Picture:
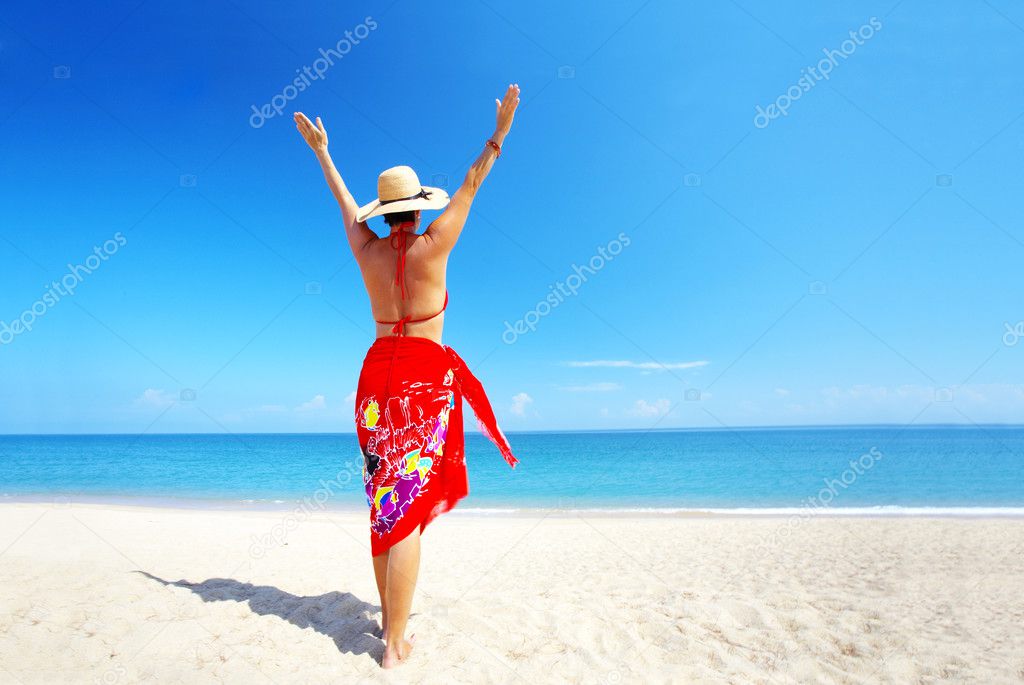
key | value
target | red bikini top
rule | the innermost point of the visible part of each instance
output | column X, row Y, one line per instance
column 399, row 242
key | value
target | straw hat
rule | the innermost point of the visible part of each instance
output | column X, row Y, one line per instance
column 399, row 190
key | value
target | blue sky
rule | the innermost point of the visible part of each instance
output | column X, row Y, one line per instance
column 856, row 260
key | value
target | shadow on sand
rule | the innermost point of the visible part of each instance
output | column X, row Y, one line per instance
column 341, row 616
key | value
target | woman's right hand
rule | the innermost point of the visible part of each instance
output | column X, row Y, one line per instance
column 507, row 110
column 315, row 136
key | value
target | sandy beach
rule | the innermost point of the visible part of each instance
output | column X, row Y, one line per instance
column 119, row 594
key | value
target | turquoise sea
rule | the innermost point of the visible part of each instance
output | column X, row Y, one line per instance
column 832, row 470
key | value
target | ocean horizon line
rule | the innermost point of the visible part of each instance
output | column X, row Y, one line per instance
column 567, row 431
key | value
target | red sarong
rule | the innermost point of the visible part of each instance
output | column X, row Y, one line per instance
column 409, row 424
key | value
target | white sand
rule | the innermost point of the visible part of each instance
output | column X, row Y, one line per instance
column 510, row 599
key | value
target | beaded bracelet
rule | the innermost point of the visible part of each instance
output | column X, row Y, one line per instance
column 497, row 148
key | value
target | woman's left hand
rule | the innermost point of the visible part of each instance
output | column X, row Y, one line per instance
column 506, row 110
column 315, row 136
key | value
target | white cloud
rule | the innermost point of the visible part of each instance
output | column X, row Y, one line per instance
column 877, row 394
column 651, row 409
column 782, row 392
column 592, row 387
column 869, row 403
column 317, row 403
column 155, row 398
column 645, row 366
column 316, row 408
column 520, row 402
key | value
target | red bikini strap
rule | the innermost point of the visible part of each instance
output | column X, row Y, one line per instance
column 399, row 326
column 399, row 242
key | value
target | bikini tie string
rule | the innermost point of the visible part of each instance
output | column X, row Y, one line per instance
column 399, row 327
column 400, row 243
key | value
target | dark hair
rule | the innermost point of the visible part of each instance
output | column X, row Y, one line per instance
column 399, row 217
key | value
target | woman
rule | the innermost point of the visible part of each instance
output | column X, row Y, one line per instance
column 408, row 403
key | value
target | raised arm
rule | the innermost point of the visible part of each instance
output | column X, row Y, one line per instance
column 359, row 235
column 444, row 230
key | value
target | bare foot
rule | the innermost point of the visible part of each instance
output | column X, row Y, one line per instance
column 395, row 656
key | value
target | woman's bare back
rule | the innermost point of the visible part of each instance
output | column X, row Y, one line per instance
column 425, row 266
